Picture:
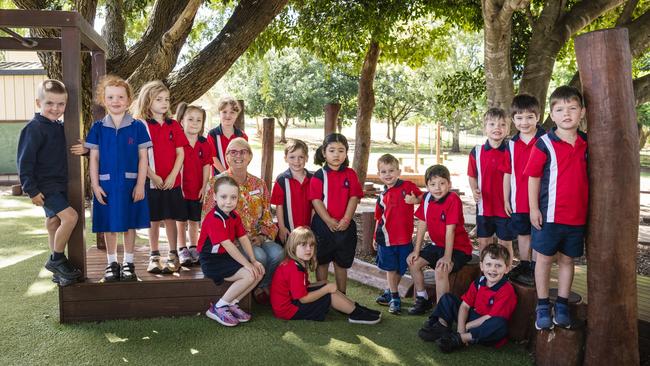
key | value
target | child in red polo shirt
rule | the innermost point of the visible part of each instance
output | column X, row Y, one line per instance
column 294, row 298
column 441, row 214
column 483, row 312
column 486, row 181
column 334, row 191
column 394, row 229
column 525, row 114
column 222, row 260
column 220, row 136
column 195, row 175
column 166, row 201
column 558, row 192
column 291, row 190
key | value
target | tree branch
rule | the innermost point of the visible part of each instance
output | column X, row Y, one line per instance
column 162, row 58
column 626, row 14
column 582, row 14
column 248, row 20
column 642, row 90
column 639, row 33
column 114, row 29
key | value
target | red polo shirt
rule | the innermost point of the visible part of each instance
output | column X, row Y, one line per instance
column 195, row 159
column 564, row 185
column 166, row 137
column 335, row 188
column 514, row 164
column 394, row 216
column 499, row 300
column 289, row 284
column 219, row 142
column 294, row 197
column 484, row 163
column 446, row 211
column 218, row 227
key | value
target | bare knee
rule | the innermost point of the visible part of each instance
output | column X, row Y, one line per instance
column 68, row 217
column 441, row 274
column 564, row 260
column 52, row 223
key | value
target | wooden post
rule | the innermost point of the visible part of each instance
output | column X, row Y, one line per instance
column 560, row 346
column 71, row 65
column 604, row 62
column 521, row 326
column 240, row 121
column 417, row 146
column 268, row 140
column 331, row 117
column 98, row 70
column 368, row 233
column 438, row 142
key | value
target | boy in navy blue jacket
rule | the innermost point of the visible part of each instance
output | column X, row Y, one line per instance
column 43, row 171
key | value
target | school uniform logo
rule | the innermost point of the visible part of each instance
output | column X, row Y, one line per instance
column 403, row 193
column 491, row 301
column 171, row 135
column 200, row 153
column 346, row 183
column 131, row 141
column 443, row 217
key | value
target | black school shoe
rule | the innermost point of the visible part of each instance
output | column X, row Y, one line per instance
column 432, row 332
column 371, row 311
column 112, row 272
column 63, row 268
column 450, row 342
column 421, row 306
column 362, row 316
column 127, row 272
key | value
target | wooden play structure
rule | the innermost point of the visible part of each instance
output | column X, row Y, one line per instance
column 188, row 292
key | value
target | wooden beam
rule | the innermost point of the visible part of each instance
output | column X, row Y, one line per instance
column 71, row 64
column 605, row 66
column 44, row 44
column 268, row 140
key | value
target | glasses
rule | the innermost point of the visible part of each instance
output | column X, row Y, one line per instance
column 237, row 152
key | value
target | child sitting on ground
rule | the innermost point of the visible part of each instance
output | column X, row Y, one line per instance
column 294, row 298
column 482, row 313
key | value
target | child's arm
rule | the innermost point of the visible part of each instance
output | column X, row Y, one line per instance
column 94, row 176
column 349, row 214
column 533, row 202
column 143, row 165
column 476, row 192
column 279, row 214
column 476, row 322
column 412, row 199
column 312, row 296
column 463, row 314
column 79, row 149
column 253, row 266
column 155, row 178
column 321, row 210
column 204, row 187
column 217, row 165
column 445, row 262
column 506, row 194
column 178, row 164
column 419, row 238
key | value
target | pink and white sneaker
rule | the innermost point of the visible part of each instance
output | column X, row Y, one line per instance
column 222, row 315
column 240, row 314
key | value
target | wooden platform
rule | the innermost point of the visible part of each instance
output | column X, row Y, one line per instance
column 183, row 293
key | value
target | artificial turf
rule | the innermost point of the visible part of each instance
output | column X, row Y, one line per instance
column 31, row 333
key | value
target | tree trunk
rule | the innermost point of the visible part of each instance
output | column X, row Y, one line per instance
column 644, row 133
column 455, row 141
column 366, row 102
column 393, row 139
column 388, row 129
column 283, row 130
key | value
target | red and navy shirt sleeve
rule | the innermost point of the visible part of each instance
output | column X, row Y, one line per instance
column 355, row 185
column 206, row 153
column 454, row 213
column 505, row 167
column 419, row 213
column 297, row 283
column 180, row 139
column 277, row 194
column 505, row 301
column 537, row 160
column 470, row 296
column 316, row 186
column 471, row 165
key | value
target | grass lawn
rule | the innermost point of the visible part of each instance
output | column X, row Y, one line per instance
column 31, row 333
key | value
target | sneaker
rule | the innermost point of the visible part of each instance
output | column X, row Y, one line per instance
column 112, row 272
column 450, row 342
column 63, row 268
column 56, row 279
column 421, row 306
column 395, row 306
column 371, row 311
column 238, row 313
column 184, row 257
column 433, row 332
column 543, row 320
column 172, row 264
column 194, row 254
column 561, row 316
column 154, row 264
column 222, row 315
column 128, row 272
column 364, row 317
column 384, row 299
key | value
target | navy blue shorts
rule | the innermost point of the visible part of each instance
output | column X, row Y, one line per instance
column 520, row 224
column 315, row 310
column 432, row 253
column 393, row 258
column 167, row 204
column 193, row 210
column 218, row 267
column 566, row 239
column 486, row 226
column 55, row 202
column 334, row 246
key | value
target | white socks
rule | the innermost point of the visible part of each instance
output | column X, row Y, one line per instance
column 128, row 257
column 111, row 258
column 423, row 294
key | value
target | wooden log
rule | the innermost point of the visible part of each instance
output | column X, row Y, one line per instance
column 268, row 139
column 605, row 66
column 560, row 346
column 522, row 322
column 458, row 281
column 16, row 190
column 240, row 121
column 368, row 231
column 331, row 117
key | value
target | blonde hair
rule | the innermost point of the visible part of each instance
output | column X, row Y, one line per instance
column 301, row 235
column 184, row 108
column 111, row 80
column 50, row 86
column 241, row 143
column 141, row 108
column 229, row 101
column 294, row 145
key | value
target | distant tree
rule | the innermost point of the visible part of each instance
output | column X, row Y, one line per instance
column 398, row 96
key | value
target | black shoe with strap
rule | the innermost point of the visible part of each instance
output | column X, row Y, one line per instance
column 63, row 268
column 450, row 342
column 112, row 272
column 421, row 306
column 433, row 332
column 127, row 272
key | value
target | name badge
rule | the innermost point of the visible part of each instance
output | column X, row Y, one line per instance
column 257, row 191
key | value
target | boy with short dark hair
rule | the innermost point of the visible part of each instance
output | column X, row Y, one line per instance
column 43, row 170
column 482, row 313
column 486, row 181
column 394, row 229
column 441, row 214
column 558, row 192
column 524, row 111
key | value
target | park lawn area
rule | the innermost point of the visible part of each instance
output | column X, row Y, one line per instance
column 31, row 333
